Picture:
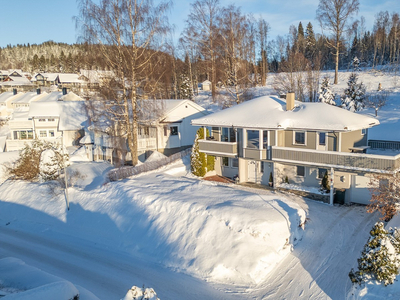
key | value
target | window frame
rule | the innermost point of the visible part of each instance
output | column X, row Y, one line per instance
column 294, row 137
column 225, row 161
column 298, row 174
column 319, row 138
column 172, row 130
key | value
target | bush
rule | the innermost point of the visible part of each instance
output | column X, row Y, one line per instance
column 380, row 258
column 200, row 163
column 325, row 185
column 40, row 161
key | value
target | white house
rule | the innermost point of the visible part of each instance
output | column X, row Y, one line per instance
column 206, row 85
column 295, row 142
column 6, row 99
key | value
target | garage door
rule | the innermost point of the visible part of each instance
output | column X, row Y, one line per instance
column 359, row 190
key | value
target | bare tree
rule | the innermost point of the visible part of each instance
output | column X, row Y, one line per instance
column 333, row 16
column 376, row 100
column 202, row 22
column 263, row 29
column 127, row 34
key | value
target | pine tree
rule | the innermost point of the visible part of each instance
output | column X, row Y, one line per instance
column 356, row 64
column 380, row 259
column 185, row 89
column 325, row 94
column 354, row 94
column 310, row 42
column 200, row 162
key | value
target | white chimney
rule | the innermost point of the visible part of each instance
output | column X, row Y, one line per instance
column 289, row 101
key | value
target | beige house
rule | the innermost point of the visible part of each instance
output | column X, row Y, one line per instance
column 295, row 143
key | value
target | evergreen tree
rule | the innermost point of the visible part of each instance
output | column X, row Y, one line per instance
column 300, row 38
column 325, row 185
column 35, row 62
column 356, row 64
column 310, row 42
column 380, row 259
column 185, row 89
column 354, row 94
column 42, row 64
column 325, row 94
column 200, row 162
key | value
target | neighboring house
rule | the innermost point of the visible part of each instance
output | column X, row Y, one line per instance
column 170, row 131
column 95, row 78
column 5, row 103
column 16, row 79
column 45, row 79
column 24, row 99
column 301, row 141
column 70, row 81
column 206, row 85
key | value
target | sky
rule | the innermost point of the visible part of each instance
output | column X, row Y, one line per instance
column 28, row 21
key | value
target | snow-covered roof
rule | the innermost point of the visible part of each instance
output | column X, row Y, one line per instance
column 95, row 76
column 269, row 112
column 73, row 115
column 27, row 98
column 17, row 81
column 53, row 96
column 70, row 96
column 69, row 78
column 44, row 109
column 5, row 96
column 47, row 76
column 2, row 143
column 206, row 82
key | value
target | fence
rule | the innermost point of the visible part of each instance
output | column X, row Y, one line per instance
column 125, row 172
column 376, row 144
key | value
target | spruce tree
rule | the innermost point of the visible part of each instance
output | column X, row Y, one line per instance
column 379, row 259
column 356, row 64
column 185, row 90
column 310, row 42
column 325, row 94
column 354, row 94
column 200, row 162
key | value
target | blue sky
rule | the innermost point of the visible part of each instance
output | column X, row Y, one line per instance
column 29, row 21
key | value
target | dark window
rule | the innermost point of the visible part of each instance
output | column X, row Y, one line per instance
column 235, row 163
column 15, row 135
column 321, row 173
column 265, row 139
column 322, row 138
column 300, row 171
column 225, row 161
column 300, row 138
column 262, row 167
column 228, row 135
column 253, row 137
column 174, row 130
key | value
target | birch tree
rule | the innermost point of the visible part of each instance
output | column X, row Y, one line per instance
column 333, row 16
column 127, row 33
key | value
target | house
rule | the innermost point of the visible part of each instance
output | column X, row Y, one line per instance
column 206, row 85
column 270, row 137
column 24, row 99
column 5, row 102
column 45, row 79
column 169, row 130
column 16, row 79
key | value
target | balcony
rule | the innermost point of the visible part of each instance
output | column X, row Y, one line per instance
column 218, row 148
column 147, row 144
column 14, row 145
column 255, row 154
column 342, row 160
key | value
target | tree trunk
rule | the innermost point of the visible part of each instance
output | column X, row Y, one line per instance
column 337, row 61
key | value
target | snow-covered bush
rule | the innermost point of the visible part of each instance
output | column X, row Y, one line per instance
column 354, row 94
column 39, row 161
column 185, row 89
column 325, row 185
column 356, row 64
column 380, row 259
column 137, row 293
column 325, row 94
column 200, row 163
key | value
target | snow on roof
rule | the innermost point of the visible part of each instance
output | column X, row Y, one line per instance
column 206, row 82
column 16, row 81
column 2, row 143
column 47, row 76
column 69, row 77
column 71, row 96
column 53, row 96
column 28, row 97
column 269, row 112
column 94, row 76
column 44, row 109
column 73, row 115
column 20, row 114
column 5, row 96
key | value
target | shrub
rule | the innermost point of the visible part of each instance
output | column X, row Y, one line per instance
column 39, row 161
column 200, row 163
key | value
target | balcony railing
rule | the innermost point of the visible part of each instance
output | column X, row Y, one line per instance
column 147, row 143
column 13, row 145
column 343, row 160
column 218, row 148
column 257, row 154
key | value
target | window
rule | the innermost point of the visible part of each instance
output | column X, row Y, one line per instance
column 322, row 138
column 262, row 167
column 300, row 171
column 174, row 130
column 225, row 161
column 265, row 139
column 30, row 134
column 43, row 133
column 235, row 162
column 23, row 135
column 300, row 137
column 253, row 137
column 321, row 173
column 51, row 133
column 50, row 120
column 363, row 131
column 42, row 120
column 228, row 135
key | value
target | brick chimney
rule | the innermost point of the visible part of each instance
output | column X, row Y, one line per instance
column 289, row 101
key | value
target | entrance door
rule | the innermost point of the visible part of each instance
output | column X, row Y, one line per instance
column 252, row 171
column 322, row 141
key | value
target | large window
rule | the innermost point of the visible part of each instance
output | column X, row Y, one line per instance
column 23, row 135
column 300, row 137
column 253, row 139
column 43, row 133
column 235, row 162
column 322, row 139
column 228, row 135
column 265, row 139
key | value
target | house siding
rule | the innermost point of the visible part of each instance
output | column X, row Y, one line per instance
column 353, row 139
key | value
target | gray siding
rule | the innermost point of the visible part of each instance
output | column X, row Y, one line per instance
column 353, row 139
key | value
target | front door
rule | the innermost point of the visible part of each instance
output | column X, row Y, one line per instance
column 252, row 171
